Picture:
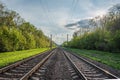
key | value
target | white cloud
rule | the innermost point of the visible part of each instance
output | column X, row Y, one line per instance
column 97, row 12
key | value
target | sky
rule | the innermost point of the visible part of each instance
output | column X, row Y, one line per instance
column 51, row 16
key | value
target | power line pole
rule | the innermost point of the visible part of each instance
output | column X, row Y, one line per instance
column 67, row 39
column 51, row 41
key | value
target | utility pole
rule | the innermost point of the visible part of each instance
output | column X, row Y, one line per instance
column 67, row 39
column 51, row 41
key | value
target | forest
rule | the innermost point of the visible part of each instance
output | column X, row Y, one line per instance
column 105, row 35
column 17, row 34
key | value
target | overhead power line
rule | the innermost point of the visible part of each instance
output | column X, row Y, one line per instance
column 51, row 16
column 46, row 12
column 74, row 4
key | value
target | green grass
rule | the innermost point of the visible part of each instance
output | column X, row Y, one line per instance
column 110, row 59
column 7, row 58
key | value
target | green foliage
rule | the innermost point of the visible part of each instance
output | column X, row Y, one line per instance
column 116, row 40
column 17, row 34
column 97, row 40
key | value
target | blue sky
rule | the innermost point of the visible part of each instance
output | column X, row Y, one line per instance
column 52, row 15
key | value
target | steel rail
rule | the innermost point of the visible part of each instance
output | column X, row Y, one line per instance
column 75, row 67
column 97, row 67
column 27, row 75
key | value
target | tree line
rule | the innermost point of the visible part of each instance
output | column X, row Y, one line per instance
column 105, row 36
column 17, row 34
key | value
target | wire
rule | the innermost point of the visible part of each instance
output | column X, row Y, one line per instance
column 74, row 4
column 48, row 11
column 45, row 11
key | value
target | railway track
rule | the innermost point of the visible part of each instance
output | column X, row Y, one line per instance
column 88, row 70
column 57, row 67
column 56, row 64
column 21, row 68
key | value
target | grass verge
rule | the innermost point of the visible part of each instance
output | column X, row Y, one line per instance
column 110, row 59
column 7, row 58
